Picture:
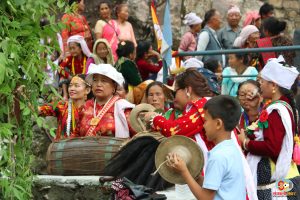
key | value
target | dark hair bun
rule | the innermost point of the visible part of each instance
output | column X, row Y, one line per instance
column 274, row 26
column 125, row 48
column 281, row 25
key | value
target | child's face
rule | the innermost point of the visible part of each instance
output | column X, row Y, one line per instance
column 102, row 50
column 75, row 49
column 210, row 126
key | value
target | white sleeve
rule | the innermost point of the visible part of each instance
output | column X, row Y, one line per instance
column 202, row 42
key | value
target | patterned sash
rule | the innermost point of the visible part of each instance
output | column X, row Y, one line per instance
column 101, row 114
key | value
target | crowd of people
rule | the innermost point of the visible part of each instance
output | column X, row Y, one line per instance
column 104, row 73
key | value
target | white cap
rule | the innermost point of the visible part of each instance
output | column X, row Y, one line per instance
column 274, row 71
column 233, row 9
column 106, row 70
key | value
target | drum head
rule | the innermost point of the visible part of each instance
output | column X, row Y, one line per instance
column 136, row 122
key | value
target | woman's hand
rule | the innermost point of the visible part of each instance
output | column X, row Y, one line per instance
column 252, row 94
column 175, row 162
column 148, row 116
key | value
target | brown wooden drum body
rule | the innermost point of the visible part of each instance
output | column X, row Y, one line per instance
column 81, row 156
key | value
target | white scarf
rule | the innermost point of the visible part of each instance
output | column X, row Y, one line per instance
column 285, row 156
column 249, row 182
column 121, row 124
column 80, row 40
column 248, row 71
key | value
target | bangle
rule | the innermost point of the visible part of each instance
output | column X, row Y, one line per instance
column 244, row 144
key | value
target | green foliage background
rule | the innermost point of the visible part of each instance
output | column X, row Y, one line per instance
column 21, row 64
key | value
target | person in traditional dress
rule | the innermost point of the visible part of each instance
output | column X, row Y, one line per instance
column 191, row 93
column 238, row 66
column 67, row 112
column 102, row 53
column 149, row 62
column 274, row 37
column 126, row 65
column 75, row 63
column 270, row 152
column 251, row 106
column 125, row 27
column 189, row 40
column 107, row 28
column 107, row 114
column 76, row 24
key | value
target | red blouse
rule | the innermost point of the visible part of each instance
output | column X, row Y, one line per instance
column 72, row 66
column 189, row 124
column 106, row 127
column 146, row 68
column 61, row 112
column 273, row 136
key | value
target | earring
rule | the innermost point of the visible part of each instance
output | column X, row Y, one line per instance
column 188, row 94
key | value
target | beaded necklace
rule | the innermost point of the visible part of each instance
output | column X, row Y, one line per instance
column 69, row 119
column 84, row 65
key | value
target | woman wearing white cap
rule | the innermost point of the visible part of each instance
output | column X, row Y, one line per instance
column 107, row 114
column 269, row 141
column 190, row 39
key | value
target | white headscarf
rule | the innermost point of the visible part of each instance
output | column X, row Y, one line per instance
column 192, row 19
column 80, row 40
column 244, row 35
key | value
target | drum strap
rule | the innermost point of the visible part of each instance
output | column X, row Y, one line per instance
column 101, row 114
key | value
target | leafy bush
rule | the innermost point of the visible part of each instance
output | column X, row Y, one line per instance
column 21, row 83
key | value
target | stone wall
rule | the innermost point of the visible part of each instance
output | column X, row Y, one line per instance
column 140, row 15
column 67, row 188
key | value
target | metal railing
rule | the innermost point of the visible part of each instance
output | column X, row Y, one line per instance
column 233, row 51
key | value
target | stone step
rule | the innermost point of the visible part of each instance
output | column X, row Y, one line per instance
column 87, row 188
column 67, row 188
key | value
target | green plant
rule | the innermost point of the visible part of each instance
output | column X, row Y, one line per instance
column 21, row 83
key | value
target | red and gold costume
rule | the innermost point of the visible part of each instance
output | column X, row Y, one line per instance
column 76, row 25
column 273, row 136
column 189, row 124
column 105, row 127
column 72, row 66
column 61, row 112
